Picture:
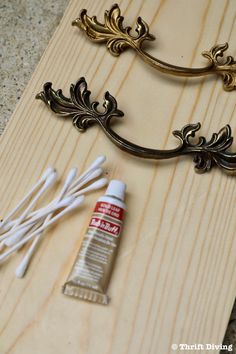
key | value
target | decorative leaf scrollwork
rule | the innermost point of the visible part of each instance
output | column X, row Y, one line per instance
column 208, row 153
column 112, row 32
column 118, row 38
column 225, row 66
column 84, row 113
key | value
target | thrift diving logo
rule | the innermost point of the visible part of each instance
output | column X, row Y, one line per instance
column 200, row 346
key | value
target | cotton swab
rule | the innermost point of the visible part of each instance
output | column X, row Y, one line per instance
column 12, row 236
column 96, row 164
column 92, row 175
column 69, row 179
column 15, row 235
column 47, row 184
column 68, row 185
column 43, row 212
column 45, row 175
column 18, row 245
column 17, row 225
column 50, row 180
column 102, row 182
column 59, row 202
column 2, row 245
column 50, row 209
column 30, row 225
column 21, row 269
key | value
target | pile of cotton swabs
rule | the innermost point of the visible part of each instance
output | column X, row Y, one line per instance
column 31, row 224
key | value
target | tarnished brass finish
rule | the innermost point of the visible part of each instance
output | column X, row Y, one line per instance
column 118, row 38
column 84, row 113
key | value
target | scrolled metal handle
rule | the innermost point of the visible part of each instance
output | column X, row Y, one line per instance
column 84, row 113
column 118, row 38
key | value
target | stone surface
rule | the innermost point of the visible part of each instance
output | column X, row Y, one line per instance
column 230, row 335
column 25, row 29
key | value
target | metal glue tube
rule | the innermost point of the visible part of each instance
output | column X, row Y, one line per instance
column 91, row 272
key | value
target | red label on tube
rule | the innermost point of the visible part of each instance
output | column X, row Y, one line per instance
column 109, row 209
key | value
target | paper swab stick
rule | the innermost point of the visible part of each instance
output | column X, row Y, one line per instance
column 94, row 186
column 21, row 269
column 94, row 174
column 69, row 179
column 47, row 184
column 45, row 175
column 43, row 213
column 15, row 235
column 96, row 164
column 18, row 245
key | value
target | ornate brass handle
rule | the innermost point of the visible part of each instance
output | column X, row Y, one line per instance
column 84, row 113
column 118, row 38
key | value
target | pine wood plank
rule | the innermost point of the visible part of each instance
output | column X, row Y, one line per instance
column 175, row 278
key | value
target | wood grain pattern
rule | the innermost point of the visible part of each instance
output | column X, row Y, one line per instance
column 175, row 277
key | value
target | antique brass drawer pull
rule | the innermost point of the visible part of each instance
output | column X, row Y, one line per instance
column 84, row 113
column 118, row 38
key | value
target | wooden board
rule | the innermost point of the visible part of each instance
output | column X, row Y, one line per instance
column 175, row 276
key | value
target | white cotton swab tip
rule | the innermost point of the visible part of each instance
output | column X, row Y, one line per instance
column 20, row 270
column 102, row 182
column 69, row 179
column 2, row 245
column 32, row 224
column 95, row 174
column 68, row 182
column 92, row 175
column 47, row 172
column 95, row 164
column 50, row 179
column 35, row 233
column 71, row 176
column 98, row 184
column 98, row 162
column 11, row 240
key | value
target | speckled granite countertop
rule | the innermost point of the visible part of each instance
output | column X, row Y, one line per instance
column 26, row 27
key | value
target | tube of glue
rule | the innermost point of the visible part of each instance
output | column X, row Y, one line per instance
column 91, row 272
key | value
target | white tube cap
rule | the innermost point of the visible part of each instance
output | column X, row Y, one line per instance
column 116, row 189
